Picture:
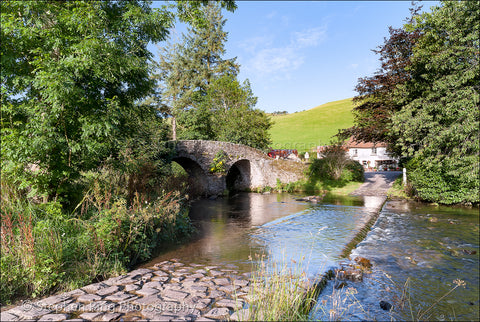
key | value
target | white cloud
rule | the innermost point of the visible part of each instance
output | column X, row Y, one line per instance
column 276, row 62
column 251, row 45
column 271, row 15
column 308, row 38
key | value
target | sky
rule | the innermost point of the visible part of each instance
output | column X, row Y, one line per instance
column 301, row 54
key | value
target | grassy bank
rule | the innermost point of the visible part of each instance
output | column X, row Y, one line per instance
column 316, row 126
column 398, row 191
column 46, row 249
column 337, row 187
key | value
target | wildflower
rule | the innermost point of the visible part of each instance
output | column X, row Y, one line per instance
column 352, row 291
column 459, row 282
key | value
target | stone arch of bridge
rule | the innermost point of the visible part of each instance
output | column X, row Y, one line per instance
column 197, row 179
column 239, row 175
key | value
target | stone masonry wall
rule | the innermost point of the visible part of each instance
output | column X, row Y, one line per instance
column 264, row 171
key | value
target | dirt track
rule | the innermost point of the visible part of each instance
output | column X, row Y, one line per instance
column 377, row 183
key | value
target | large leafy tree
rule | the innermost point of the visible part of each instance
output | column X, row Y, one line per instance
column 424, row 101
column 376, row 101
column 233, row 116
column 202, row 92
column 72, row 73
column 438, row 124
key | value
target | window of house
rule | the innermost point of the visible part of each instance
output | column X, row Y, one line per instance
column 355, row 152
column 374, row 151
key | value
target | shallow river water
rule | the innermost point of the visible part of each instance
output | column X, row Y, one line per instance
column 430, row 245
column 277, row 226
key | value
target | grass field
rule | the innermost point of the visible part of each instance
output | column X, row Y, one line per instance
column 307, row 129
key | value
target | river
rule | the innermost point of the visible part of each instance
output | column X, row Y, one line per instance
column 432, row 246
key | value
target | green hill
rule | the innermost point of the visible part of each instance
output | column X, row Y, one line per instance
column 307, row 129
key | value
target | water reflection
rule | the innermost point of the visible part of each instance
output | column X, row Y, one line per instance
column 373, row 203
column 225, row 225
column 231, row 230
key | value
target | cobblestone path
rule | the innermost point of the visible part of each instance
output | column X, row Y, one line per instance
column 167, row 291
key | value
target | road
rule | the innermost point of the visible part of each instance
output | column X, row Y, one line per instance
column 377, row 183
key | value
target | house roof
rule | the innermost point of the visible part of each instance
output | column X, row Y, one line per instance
column 351, row 143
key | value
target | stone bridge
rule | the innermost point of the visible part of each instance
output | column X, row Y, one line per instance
column 246, row 168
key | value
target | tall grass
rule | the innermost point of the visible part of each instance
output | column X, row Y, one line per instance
column 47, row 249
column 31, row 251
column 280, row 293
column 342, row 304
column 405, row 307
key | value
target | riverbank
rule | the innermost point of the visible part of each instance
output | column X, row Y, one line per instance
column 272, row 217
column 47, row 249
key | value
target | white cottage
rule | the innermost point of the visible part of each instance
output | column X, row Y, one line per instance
column 373, row 156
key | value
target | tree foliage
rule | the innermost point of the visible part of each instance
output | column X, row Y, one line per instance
column 333, row 162
column 201, row 90
column 187, row 69
column 233, row 115
column 438, row 124
column 72, row 73
column 376, row 101
column 424, row 101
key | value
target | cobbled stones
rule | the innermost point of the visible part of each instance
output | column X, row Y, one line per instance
column 167, row 291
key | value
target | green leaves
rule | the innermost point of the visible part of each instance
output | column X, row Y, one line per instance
column 432, row 112
column 72, row 73
column 200, row 87
column 446, row 118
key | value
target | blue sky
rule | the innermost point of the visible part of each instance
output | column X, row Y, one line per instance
column 301, row 54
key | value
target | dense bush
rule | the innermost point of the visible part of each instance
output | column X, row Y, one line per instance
column 353, row 171
column 320, row 169
column 45, row 249
column 444, row 182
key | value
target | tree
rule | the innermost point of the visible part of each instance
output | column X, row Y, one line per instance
column 72, row 74
column 376, row 101
column 424, row 101
column 187, row 69
column 205, row 99
column 233, row 114
column 438, row 124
